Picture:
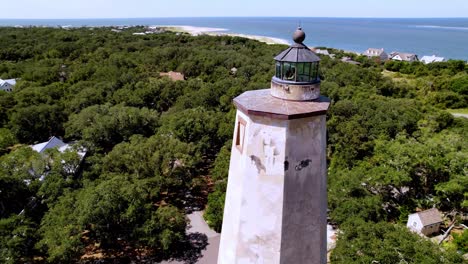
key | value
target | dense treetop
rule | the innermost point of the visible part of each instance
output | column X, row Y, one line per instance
column 154, row 144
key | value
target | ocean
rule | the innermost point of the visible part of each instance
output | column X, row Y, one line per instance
column 446, row 37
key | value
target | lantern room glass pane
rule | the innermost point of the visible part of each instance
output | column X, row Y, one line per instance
column 278, row 70
column 307, row 69
column 314, row 71
column 289, row 71
column 300, row 68
column 303, row 73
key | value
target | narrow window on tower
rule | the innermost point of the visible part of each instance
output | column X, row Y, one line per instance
column 240, row 133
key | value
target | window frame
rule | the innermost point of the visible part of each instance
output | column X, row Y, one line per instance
column 240, row 129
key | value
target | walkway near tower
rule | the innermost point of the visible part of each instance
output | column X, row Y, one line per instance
column 200, row 230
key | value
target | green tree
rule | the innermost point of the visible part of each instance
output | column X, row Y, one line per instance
column 367, row 242
column 37, row 123
column 215, row 206
column 104, row 126
column 461, row 241
column 7, row 139
column 17, row 237
column 164, row 229
column 61, row 231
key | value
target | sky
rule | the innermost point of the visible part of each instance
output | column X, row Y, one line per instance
column 50, row 9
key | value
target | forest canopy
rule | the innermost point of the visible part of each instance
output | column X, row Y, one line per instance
column 156, row 146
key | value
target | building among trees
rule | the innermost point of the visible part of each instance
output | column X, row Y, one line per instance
column 401, row 56
column 175, row 76
column 425, row 222
column 62, row 147
column 371, row 52
column 431, row 59
column 7, row 85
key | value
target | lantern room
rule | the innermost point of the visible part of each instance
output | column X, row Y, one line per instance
column 296, row 66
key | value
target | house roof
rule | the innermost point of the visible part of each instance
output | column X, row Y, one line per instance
column 433, row 58
column 175, row 76
column 404, row 56
column 373, row 52
column 59, row 144
column 429, row 217
column 10, row 81
column 52, row 143
column 322, row 51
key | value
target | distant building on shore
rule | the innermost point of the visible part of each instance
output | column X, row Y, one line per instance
column 323, row 52
column 371, row 52
column 350, row 61
column 7, row 85
column 401, row 56
column 425, row 222
column 431, row 59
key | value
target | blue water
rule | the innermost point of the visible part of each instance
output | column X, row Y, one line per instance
column 447, row 37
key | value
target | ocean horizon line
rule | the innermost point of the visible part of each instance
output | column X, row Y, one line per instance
column 443, row 37
column 169, row 17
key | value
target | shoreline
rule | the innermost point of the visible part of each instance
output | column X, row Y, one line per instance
column 196, row 31
column 214, row 31
column 421, row 36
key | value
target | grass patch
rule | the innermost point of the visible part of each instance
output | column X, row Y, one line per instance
column 458, row 111
column 398, row 77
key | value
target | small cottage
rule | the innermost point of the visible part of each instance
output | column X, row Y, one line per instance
column 425, row 222
column 401, row 56
column 7, row 85
column 371, row 52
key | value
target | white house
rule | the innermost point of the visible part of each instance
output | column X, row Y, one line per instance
column 425, row 222
column 322, row 51
column 62, row 147
column 7, row 85
column 371, row 52
column 401, row 56
column 431, row 59
column 56, row 143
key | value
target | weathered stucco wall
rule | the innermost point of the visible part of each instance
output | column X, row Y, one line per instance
column 252, row 214
column 275, row 209
column 305, row 194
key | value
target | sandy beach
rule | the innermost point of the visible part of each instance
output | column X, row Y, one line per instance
column 196, row 31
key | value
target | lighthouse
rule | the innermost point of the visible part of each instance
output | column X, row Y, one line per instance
column 276, row 199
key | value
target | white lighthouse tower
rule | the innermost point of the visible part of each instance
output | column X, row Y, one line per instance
column 276, row 198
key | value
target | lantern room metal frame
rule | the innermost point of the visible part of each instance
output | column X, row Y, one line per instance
column 297, row 64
